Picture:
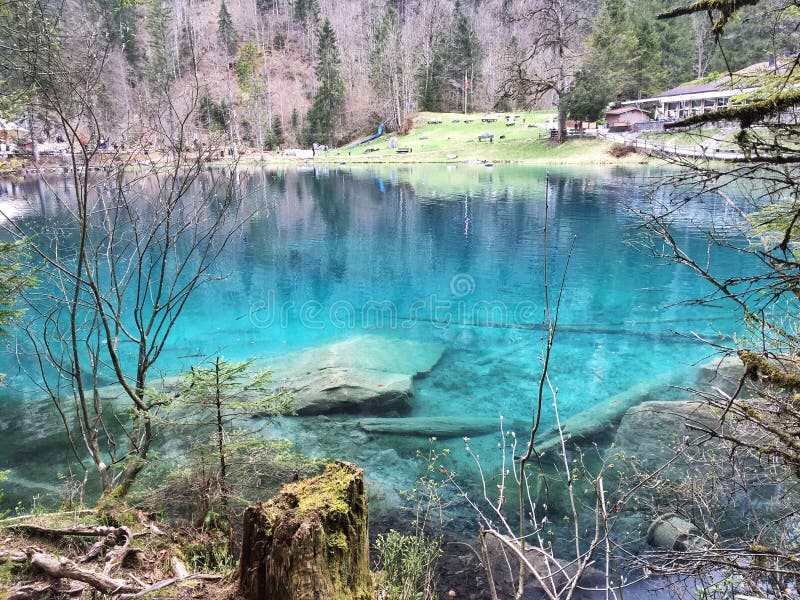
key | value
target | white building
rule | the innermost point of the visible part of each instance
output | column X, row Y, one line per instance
column 697, row 98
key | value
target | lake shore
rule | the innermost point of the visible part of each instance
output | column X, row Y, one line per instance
column 434, row 138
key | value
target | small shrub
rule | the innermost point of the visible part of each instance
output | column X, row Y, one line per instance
column 620, row 150
column 408, row 563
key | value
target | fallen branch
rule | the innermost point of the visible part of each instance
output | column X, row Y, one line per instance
column 166, row 583
column 65, row 568
column 36, row 590
column 82, row 530
column 68, row 513
column 17, row 557
column 117, row 555
column 29, row 591
column 178, row 568
column 112, row 538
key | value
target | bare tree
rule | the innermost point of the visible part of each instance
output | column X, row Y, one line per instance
column 758, row 421
column 515, row 523
column 553, row 31
column 122, row 257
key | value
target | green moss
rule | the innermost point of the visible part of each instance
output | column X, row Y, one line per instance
column 758, row 367
column 337, row 540
column 7, row 572
column 324, row 493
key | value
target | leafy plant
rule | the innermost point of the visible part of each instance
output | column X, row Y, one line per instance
column 408, row 563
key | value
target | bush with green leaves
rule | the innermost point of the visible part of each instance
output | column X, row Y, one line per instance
column 408, row 563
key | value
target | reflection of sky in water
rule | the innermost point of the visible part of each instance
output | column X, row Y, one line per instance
column 452, row 255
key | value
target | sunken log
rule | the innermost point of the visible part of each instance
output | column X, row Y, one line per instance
column 310, row 541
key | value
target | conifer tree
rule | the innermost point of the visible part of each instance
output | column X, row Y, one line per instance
column 326, row 109
column 225, row 30
column 456, row 56
column 462, row 57
column 162, row 54
column 277, row 131
column 388, row 72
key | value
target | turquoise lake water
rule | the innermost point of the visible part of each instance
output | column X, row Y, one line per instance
column 450, row 254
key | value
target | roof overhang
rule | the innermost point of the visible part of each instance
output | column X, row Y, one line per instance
column 695, row 96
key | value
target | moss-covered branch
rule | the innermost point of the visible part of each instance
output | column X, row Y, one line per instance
column 747, row 115
column 726, row 8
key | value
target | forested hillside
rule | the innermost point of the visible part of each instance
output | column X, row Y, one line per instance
column 267, row 73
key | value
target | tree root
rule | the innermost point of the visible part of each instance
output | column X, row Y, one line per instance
column 63, row 568
column 166, row 583
column 116, row 542
column 38, row 590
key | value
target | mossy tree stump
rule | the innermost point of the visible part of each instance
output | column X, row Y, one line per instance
column 310, row 541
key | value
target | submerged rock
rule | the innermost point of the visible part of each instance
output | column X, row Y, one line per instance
column 599, row 422
column 367, row 374
column 551, row 571
column 440, row 427
column 652, row 431
column 721, row 373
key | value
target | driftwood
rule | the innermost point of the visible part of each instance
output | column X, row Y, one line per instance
column 17, row 557
column 166, row 583
column 64, row 568
column 116, row 542
column 81, row 530
column 37, row 590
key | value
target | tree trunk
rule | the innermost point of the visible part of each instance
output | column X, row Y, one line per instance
column 310, row 541
column 562, row 123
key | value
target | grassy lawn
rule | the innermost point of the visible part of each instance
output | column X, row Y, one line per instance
column 453, row 140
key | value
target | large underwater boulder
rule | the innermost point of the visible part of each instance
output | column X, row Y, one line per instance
column 653, row 431
column 720, row 374
column 367, row 374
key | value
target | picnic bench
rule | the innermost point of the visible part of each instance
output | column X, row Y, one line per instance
column 486, row 136
column 404, row 150
column 368, row 150
column 435, row 121
column 488, row 119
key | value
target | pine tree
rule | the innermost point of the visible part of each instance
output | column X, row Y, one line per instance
column 295, row 119
column 326, row 109
column 462, row 58
column 432, row 80
column 587, row 99
column 387, row 75
column 225, row 30
column 120, row 24
column 615, row 50
column 162, row 53
column 218, row 395
column 277, row 131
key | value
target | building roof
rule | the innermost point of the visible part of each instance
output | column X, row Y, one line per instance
column 744, row 80
column 624, row 109
column 697, row 88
